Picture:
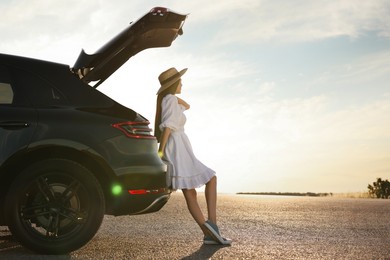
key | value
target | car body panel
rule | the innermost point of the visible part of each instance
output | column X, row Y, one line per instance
column 17, row 126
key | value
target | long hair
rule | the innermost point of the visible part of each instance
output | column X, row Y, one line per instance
column 170, row 90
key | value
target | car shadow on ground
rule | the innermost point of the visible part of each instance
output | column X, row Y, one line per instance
column 205, row 252
column 12, row 249
column 7, row 242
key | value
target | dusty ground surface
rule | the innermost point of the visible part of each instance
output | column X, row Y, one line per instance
column 262, row 227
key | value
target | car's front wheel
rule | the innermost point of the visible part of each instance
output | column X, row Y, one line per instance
column 54, row 206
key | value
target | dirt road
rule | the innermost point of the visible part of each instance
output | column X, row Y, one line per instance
column 262, row 227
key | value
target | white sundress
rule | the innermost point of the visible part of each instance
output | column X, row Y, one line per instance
column 184, row 169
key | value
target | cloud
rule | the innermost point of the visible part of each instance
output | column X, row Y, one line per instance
column 58, row 30
column 301, row 21
column 364, row 69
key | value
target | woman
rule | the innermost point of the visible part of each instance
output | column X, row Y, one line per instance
column 186, row 172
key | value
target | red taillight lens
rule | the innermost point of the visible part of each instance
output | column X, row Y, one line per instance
column 144, row 192
column 139, row 130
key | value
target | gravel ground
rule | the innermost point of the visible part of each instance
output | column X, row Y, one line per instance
column 262, row 227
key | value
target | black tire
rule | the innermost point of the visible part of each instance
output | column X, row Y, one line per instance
column 54, row 206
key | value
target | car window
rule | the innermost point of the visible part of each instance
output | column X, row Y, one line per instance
column 39, row 91
column 6, row 93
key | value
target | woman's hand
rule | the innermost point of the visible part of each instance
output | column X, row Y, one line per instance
column 183, row 103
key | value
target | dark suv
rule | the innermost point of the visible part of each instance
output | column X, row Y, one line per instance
column 68, row 153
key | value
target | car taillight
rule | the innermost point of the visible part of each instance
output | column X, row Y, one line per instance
column 139, row 130
column 161, row 11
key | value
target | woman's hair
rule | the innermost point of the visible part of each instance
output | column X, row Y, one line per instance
column 170, row 90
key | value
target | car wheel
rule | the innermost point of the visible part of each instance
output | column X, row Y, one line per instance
column 54, row 206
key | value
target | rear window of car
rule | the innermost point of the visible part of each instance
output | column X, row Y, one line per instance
column 48, row 85
column 39, row 91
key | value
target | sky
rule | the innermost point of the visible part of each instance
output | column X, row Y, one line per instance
column 286, row 96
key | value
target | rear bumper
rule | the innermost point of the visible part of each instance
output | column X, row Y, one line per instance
column 140, row 193
column 135, row 204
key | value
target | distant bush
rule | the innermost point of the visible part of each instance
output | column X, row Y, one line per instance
column 380, row 189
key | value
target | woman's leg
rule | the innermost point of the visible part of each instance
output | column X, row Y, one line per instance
column 211, row 199
column 192, row 203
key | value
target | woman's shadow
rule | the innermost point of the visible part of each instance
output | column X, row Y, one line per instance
column 205, row 252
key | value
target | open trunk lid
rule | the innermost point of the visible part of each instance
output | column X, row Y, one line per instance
column 157, row 28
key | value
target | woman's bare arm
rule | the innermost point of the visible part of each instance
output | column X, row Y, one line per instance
column 163, row 141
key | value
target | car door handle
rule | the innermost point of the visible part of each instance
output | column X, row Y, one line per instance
column 14, row 124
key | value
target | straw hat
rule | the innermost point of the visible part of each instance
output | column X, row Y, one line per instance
column 169, row 77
